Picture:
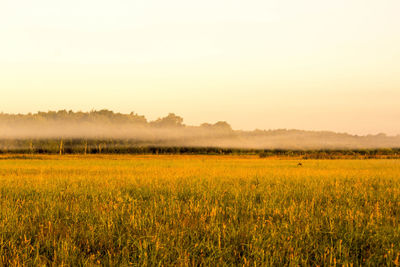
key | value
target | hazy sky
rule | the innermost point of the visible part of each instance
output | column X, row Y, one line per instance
column 311, row 64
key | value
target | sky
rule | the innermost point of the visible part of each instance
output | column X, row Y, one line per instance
column 257, row 64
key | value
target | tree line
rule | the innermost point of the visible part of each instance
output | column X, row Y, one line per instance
column 101, row 117
column 86, row 131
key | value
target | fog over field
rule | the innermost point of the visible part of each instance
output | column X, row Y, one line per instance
column 171, row 131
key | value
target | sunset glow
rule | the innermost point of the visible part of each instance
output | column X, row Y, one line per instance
column 312, row 65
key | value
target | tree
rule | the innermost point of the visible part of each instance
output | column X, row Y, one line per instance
column 219, row 126
column 171, row 120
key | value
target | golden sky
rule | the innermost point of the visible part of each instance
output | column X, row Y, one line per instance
column 311, row 64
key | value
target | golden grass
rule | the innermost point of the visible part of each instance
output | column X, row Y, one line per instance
column 190, row 210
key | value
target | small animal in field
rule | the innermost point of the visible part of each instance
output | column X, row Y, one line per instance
column 300, row 164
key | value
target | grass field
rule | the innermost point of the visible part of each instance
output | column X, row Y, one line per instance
column 191, row 210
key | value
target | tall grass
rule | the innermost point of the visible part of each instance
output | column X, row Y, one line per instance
column 190, row 210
